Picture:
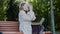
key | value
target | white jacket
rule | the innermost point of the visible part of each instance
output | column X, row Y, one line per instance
column 25, row 21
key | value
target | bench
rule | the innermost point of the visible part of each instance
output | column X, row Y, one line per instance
column 12, row 27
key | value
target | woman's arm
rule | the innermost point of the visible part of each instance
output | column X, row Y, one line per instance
column 24, row 16
column 32, row 15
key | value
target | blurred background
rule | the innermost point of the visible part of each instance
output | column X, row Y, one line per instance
column 9, row 10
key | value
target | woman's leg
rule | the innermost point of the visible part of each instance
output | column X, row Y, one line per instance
column 27, row 29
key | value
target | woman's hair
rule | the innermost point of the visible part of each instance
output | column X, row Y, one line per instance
column 30, row 8
column 21, row 6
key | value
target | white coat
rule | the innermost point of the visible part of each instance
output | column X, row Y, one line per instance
column 25, row 21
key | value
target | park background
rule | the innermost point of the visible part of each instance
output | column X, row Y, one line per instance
column 9, row 10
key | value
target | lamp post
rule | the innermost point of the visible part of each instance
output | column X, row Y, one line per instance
column 52, row 17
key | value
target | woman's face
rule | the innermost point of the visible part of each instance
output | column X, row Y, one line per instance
column 25, row 8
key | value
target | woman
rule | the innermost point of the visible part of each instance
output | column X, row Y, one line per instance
column 26, row 16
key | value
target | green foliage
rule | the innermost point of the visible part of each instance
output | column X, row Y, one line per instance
column 42, row 9
column 12, row 12
column 39, row 8
column 57, row 13
column 9, row 10
column 3, row 8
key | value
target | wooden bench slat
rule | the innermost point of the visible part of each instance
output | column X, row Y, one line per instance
column 9, row 31
column 12, row 32
column 8, row 27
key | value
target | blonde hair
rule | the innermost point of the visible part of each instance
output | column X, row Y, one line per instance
column 30, row 8
column 21, row 6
